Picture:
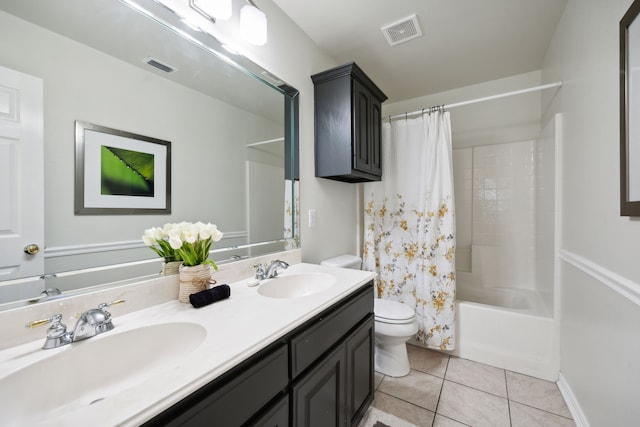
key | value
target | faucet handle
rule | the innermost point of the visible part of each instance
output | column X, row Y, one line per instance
column 57, row 334
column 109, row 304
column 99, row 315
column 56, row 318
column 260, row 273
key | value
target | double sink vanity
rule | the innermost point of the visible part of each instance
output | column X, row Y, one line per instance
column 296, row 350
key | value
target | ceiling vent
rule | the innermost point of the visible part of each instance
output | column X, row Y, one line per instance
column 159, row 65
column 403, row 30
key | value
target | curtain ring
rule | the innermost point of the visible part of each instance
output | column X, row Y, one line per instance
column 406, row 116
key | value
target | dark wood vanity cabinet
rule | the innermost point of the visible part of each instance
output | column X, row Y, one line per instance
column 347, row 125
column 321, row 374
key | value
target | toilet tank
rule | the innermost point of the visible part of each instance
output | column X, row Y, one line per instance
column 344, row 261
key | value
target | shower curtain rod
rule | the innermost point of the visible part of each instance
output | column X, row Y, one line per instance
column 473, row 101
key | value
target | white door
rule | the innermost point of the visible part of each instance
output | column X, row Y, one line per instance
column 21, row 176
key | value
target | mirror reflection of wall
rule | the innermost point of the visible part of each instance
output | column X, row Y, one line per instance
column 221, row 171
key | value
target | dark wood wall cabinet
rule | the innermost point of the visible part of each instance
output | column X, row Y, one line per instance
column 319, row 375
column 347, row 125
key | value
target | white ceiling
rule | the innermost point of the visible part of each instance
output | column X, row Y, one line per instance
column 464, row 42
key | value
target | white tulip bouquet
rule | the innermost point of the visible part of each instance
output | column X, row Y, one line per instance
column 185, row 241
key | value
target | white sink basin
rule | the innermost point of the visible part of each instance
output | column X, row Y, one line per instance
column 296, row 285
column 86, row 372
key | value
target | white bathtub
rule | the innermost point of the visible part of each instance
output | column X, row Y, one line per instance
column 520, row 300
column 507, row 328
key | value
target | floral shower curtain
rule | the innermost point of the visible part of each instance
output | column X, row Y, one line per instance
column 410, row 226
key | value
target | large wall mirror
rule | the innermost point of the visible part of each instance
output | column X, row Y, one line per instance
column 232, row 128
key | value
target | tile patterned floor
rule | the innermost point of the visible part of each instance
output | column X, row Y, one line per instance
column 446, row 391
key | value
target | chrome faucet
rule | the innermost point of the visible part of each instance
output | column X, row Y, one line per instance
column 90, row 323
column 48, row 293
column 272, row 270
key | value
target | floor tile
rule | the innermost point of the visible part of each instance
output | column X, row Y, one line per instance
column 477, row 375
column 440, row 421
column 526, row 416
column 418, row 388
column 375, row 417
column 473, row 407
column 402, row 409
column 535, row 392
column 427, row 361
column 377, row 379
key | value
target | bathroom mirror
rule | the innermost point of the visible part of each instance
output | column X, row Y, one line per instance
column 232, row 128
column 630, row 112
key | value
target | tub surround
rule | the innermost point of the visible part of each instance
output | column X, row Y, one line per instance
column 237, row 328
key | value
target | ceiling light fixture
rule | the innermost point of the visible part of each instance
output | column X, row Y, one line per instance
column 213, row 9
column 253, row 24
column 253, row 21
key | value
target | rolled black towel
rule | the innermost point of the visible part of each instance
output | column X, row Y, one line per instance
column 209, row 296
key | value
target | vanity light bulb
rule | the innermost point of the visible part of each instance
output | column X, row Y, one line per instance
column 218, row 9
column 253, row 25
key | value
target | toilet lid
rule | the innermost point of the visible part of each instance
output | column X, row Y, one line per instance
column 392, row 311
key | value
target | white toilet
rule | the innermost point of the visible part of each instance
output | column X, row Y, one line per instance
column 395, row 324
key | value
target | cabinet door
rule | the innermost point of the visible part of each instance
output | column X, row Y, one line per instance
column 276, row 416
column 319, row 398
column 360, row 370
column 361, row 127
column 375, row 145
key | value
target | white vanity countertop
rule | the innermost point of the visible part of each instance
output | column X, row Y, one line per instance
column 236, row 328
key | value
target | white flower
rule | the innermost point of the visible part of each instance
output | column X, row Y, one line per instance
column 159, row 233
column 216, row 234
column 190, row 234
column 175, row 241
column 204, row 230
column 148, row 237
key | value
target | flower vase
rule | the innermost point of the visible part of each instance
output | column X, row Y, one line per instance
column 170, row 268
column 193, row 279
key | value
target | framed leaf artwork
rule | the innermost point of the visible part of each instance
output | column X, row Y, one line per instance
column 119, row 173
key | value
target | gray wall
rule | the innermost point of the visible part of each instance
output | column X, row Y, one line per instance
column 600, row 272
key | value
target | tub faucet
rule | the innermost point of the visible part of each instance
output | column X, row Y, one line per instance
column 272, row 270
column 90, row 323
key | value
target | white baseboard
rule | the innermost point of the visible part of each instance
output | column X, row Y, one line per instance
column 572, row 402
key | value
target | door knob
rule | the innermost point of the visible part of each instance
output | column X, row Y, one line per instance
column 32, row 249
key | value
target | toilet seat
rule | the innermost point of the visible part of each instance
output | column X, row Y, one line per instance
column 392, row 312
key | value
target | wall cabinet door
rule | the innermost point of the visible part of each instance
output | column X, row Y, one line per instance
column 319, row 397
column 362, row 128
column 375, row 140
column 367, row 118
